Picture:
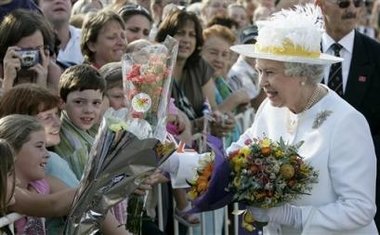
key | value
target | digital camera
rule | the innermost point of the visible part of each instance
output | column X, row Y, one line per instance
column 29, row 58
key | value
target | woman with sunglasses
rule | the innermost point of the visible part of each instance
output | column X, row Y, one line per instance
column 358, row 81
column 137, row 20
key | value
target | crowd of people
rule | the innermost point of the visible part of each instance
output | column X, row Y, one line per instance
column 51, row 104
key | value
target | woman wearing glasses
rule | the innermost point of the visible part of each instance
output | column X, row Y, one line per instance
column 137, row 20
column 26, row 49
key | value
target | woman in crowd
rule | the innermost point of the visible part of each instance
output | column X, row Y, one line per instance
column 212, row 8
column 216, row 51
column 26, row 44
column 336, row 138
column 85, row 6
column 192, row 83
column 239, row 14
column 138, row 22
column 103, row 38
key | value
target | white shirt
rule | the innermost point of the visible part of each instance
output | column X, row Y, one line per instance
column 341, row 149
column 72, row 52
column 247, row 76
column 346, row 53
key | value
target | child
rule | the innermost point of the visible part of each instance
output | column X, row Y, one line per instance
column 81, row 89
column 7, row 180
column 37, row 101
column 112, row 73
column 27, row 138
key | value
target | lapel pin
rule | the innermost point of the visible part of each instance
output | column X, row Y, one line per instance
column 362, row 79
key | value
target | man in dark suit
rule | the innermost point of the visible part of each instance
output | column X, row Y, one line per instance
column 360, row 71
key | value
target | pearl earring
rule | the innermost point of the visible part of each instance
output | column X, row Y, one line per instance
column 303, row 83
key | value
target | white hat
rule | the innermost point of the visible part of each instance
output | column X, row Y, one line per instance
column 290, row 36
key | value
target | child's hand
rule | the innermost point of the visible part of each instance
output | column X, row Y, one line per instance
column 175, row 124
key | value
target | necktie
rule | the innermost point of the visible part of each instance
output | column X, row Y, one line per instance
column 335, row 81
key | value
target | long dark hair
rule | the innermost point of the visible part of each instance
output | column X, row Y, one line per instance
column 174, row 22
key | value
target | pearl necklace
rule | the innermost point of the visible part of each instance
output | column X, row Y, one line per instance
column 292, row 123
column 313, row 98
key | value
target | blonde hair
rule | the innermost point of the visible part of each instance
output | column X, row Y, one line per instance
column 17, row 128
column 219, row 31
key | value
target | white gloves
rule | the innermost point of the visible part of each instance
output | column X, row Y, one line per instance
column 285, row 215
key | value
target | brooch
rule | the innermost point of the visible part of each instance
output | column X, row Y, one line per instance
column 320, row 118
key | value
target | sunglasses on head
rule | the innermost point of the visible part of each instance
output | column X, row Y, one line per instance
column 129, row 8
column 346, row 3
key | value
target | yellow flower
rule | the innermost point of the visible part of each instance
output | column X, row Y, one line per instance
column 304, row 169
column 287, row 171
column 245, row 151
column 115, row 127
column 248, row 217
column 237, row 181
column 265, row 143
column 279, row 153
column 238, row 163
column 247, row 226
column 192, row 194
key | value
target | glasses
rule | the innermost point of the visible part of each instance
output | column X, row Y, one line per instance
column 346, row 3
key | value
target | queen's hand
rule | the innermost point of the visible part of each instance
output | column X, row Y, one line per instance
column 287, row 214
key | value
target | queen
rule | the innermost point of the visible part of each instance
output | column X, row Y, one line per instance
column 337, row 139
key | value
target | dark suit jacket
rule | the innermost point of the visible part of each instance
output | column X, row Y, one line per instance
column 363, row 92
column 363, row 84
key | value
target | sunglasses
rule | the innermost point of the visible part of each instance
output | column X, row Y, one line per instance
column 346, row 3
column 132, row 8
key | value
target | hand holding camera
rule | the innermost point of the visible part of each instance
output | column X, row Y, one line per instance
column 35, row 61
column 11, row 66
column 23, row 65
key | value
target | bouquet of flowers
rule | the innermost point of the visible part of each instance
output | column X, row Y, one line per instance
column 208, row 186
column 147, row 75
column 119, row 162
column 262, row 173
column 267, row 174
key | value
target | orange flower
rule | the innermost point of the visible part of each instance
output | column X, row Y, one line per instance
column 208, row 170
column 202, row 185
column 266, row 151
